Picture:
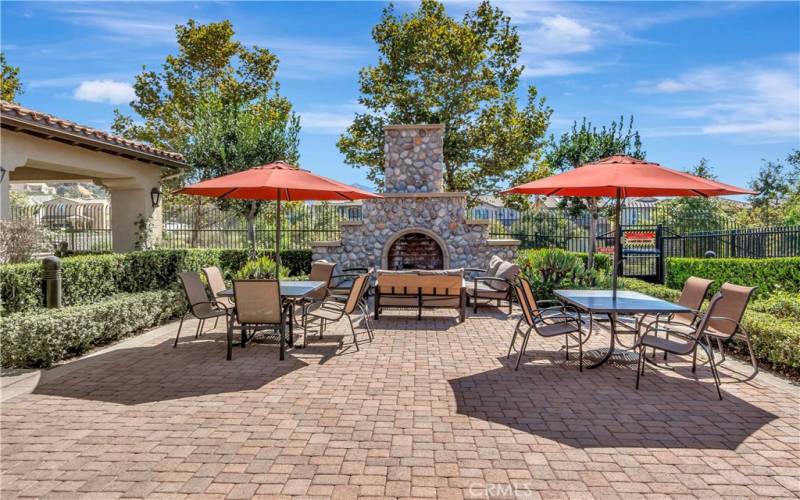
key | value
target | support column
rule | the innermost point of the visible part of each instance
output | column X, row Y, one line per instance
column 129, row 205
column 5, row 196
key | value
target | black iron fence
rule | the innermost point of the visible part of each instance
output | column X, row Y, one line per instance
column 650, row 235
column 84, row 226
column 206, row 226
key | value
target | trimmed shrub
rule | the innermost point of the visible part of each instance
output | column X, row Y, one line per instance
column 767, row 275
column 89, row 278
column 602, row 261
column 781, row 305
column 658, row 291
column 20, row 287
column 35, row 340
column 776, row 341
column 551, row 268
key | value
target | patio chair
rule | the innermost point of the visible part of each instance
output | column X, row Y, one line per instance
column 341, row 283
column 321, row 270
column 547, row 322
column 334, row 310
column 198, row 303
column 258, row 307
column 692, row 297
column 726, row 321
column 497, row 283
column 217, row 284
column 686, row 344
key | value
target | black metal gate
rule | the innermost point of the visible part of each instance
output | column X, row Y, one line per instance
column 642, row 250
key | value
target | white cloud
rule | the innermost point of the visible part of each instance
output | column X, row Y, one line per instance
column 308, row 59
column 752, row 98
column 552, row 33
column 557, row 67
column 559, row 35
column 142, row 26
column 329, row 119
column 106, row 91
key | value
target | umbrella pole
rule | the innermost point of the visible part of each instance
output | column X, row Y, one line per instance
column 617, row 244
column 278, row 236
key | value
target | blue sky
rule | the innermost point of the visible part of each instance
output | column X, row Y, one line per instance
column 714, row 80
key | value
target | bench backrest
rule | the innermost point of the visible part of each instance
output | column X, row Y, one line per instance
column 425, row 282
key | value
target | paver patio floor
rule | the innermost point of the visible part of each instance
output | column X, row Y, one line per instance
column 430, row 408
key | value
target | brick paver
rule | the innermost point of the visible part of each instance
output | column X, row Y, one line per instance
column 429, row 409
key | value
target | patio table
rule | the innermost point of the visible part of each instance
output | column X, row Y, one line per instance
column 627, row 302
column 290, row 292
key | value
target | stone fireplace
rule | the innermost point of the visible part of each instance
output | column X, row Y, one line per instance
column 417, row 224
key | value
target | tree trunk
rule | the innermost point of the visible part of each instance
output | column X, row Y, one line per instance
column 592, row 233
column 197, row 220
column 251, row 228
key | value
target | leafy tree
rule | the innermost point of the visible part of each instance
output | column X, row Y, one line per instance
column 696, row 213
column 233, row 136
column 10, row 85
column 209, row 60
column 772, row 190
column 432, row 68
column 791, row 212
column 584, row 144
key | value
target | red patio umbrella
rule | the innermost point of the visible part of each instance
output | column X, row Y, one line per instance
column 277, row 181
column 623, row 177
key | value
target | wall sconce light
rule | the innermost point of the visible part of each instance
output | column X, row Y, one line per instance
column 2, row 174
column 155, row 196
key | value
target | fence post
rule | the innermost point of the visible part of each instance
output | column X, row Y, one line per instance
column 733, row 243
column 660, row 257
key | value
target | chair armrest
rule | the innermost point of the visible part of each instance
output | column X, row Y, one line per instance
column 729, row 320
column 342, row 277
column 334, row 305
column 550, row 301
column 356, row 270
column 474, row 270
column 217, row 304
column 492, row 278
column 564, row 317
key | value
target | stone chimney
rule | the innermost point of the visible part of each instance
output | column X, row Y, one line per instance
column 414, row 158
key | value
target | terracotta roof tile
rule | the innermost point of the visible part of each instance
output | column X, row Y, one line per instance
column 55, row 123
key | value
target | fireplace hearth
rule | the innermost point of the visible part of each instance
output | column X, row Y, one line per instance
column 417, row 224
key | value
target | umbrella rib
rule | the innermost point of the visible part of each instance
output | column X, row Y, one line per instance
column 226, row 194
column 699, row 193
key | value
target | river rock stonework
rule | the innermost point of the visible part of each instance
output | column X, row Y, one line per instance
column 414, row 202
column 414, row 159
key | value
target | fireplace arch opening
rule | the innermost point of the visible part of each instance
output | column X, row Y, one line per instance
column 415, row 249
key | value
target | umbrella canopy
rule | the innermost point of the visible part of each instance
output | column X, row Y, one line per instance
column 276, row 181
column 624, row 177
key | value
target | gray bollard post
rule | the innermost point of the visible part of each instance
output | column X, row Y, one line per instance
column 51, row 275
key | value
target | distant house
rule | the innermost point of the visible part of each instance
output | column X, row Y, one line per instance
column 71, row 213
column 492, row 208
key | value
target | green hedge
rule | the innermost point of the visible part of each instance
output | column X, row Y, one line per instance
column 768, row 275
column 89, row 278
column 781, row 305
column 39, row 339
column 20, row 287
column 776, row 340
